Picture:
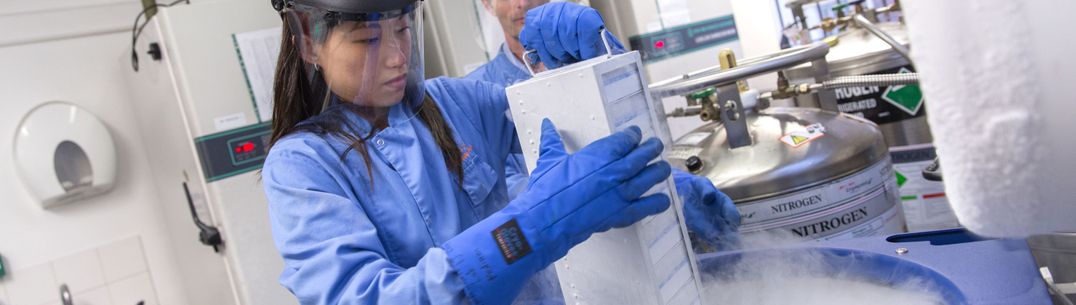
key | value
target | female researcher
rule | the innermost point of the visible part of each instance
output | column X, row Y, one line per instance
column 387, row 189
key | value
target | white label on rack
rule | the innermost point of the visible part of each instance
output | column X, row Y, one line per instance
column 629, row 108
column 677, row 281
column 622, row 82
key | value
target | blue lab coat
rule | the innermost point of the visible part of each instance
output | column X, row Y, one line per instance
column 349, row 237
column 505, row 70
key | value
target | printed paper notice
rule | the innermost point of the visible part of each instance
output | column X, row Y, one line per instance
column 258, row 52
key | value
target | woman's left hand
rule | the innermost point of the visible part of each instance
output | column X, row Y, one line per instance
column 563, row 33
column 709, row 213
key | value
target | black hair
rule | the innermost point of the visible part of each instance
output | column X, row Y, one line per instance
column 297, row 98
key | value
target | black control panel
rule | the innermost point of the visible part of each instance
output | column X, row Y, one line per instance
column 233, row 152
column 685, row 38
column 925, row 153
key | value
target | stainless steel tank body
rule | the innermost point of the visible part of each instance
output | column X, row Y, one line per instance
column 801, row 172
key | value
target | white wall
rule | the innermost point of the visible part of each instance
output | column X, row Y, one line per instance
column 75, row 52
column 760, row 34
column 1001, row 109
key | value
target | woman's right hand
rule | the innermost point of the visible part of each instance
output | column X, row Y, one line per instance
column 570, row 197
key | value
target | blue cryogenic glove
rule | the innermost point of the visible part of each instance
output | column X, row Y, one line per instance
column 570, row 197
column 563, row 33
column 710, row 214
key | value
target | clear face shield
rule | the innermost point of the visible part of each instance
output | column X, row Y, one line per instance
column 370, row 60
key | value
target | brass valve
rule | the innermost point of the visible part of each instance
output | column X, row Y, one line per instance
column 707, row 98
column 728, row 61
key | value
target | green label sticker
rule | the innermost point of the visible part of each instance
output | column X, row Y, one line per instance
column 907, row 97
column 900, row 179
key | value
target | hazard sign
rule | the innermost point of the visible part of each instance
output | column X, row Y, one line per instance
column 905, row 97
column 799, row 138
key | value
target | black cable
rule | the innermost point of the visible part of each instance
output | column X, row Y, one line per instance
column 136, row 30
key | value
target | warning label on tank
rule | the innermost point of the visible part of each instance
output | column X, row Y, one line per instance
column 798, row 138
column 882, row 104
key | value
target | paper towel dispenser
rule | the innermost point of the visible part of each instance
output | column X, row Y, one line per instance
column 64, row 153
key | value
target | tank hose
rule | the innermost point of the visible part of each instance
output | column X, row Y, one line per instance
column 870, row 80
column 844, row 82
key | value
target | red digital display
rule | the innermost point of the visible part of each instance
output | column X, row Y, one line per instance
column 244, row 147
column 659, row 44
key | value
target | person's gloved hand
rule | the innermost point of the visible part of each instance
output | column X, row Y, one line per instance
column 710, row 214
column 563, row 33
column 570, row 197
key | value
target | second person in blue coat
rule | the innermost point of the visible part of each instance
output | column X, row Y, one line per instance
column 713, row 218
